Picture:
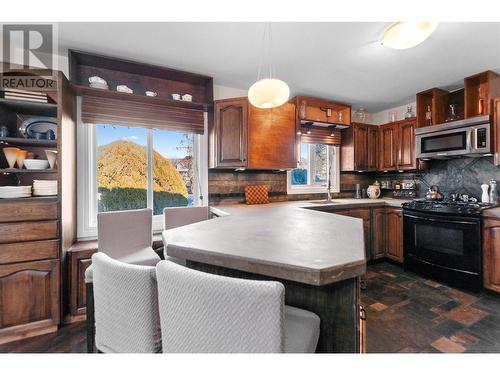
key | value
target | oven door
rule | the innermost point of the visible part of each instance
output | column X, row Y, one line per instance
column 446, row 242
column 443, row 144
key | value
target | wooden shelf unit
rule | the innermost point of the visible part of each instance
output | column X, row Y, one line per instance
column 485, row 85
column 35, row 232
column 439, row 101
column 140, row 78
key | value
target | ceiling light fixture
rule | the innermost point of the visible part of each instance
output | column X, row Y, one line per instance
column 404, row 35
column 268, row 92
column 332, row 130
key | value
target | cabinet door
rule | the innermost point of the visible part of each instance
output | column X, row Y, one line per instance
column 78, row 263
column 360, row 147
column 362, row 213
column 491, row 254
column 372, row 148
column 29, row 298
column 378, row 232
column 394, row 234
column 388, row 147
column 496, row 131
column 406, row 146
column 231, row 123
column 271, row 137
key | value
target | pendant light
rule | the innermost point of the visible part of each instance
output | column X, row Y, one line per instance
column 268, row 92
column 404, row 35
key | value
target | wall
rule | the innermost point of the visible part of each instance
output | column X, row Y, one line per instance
column 382, row 117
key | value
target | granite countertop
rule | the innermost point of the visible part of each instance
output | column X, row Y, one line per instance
column 281, row 240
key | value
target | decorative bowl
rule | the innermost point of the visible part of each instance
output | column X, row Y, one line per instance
column 37, row 164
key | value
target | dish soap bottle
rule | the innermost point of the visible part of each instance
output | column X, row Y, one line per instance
column 485, row 198
column 493, row 192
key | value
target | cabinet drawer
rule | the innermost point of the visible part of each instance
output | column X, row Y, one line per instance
column 28, row 231
column 28, row 251
column 28, row 211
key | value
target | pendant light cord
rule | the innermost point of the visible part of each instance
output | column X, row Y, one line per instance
column 266, row 50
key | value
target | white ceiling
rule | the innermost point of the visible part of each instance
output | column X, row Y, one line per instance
column 339, row 61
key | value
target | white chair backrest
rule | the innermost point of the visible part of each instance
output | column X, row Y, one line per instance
column 205, row 313
column 121, row 233
column 178, row 216
column 126, row 307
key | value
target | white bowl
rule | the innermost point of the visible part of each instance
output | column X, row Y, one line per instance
column 97, row 79
column 37, row 164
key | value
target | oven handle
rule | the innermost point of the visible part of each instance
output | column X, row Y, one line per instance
column 441, row 221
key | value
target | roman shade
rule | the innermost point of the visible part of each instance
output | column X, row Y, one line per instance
column 101, row 110
column 320, row 135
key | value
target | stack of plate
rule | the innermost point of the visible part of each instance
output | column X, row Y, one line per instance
column 44, row 187
column 15, row 191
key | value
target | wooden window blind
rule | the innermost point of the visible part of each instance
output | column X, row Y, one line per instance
column 321, row 135
column 100, row 110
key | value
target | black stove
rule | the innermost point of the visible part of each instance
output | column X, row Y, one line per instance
column 442, row 239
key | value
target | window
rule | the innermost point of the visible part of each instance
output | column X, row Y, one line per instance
column 125, row 168
column 311, row 176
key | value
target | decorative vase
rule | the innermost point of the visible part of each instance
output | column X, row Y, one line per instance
column 51, row 157
column 11, row 155
column 373, row 191
column 21, row 155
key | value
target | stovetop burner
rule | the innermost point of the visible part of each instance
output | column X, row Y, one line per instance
column 469, row 207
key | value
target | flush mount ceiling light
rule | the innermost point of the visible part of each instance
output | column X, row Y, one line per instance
column 268, row 92
column 404, row 35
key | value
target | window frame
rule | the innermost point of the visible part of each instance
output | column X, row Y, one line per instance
column 87, row 173
column 311, row 188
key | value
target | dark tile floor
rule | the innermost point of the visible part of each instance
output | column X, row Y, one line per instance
column 405, row 313
column 409, row 313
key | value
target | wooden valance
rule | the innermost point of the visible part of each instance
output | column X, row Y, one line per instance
column 321, row 135
column 102, row 110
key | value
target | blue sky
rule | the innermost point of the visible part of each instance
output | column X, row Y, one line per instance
column 164, row 142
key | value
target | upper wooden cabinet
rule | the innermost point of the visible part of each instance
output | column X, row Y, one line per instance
column 359, row 148
column 321, row 110
column 229, row 143
column 397, row 146
column 243, row 136
column 388, row 147
column 495, row 130
column 271, row 137
column 406, row 145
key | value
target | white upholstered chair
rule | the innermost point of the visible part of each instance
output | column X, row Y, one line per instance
column 178, row 216
column 126, row 307
column 126, row 236
column 201, row 312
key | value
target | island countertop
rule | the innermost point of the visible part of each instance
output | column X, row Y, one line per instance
column 282, row 240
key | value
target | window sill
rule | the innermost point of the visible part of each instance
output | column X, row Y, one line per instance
column 311, row 191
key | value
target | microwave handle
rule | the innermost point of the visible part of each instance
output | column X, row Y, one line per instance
column 470, row 136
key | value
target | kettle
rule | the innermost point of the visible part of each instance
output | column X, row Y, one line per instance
column 434, row 193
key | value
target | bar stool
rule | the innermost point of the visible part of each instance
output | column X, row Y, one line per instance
column 178, row 216
column 126, row 307
column 206, row 313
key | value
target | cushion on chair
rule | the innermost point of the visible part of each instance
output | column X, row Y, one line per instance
column 301, row 330
column 143, row 257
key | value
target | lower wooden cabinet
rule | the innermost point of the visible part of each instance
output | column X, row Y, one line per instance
column 78, row 261
column 361, row 213
column 491, row 254
column 394, row 234
column 378, row 232
column 29, row 299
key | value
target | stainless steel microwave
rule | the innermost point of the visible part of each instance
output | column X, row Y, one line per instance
column 470, row 137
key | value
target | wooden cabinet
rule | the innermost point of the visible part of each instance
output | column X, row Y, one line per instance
column 271, row 137
column 388, row 147
column 229, row 144
column 78, row 261
column 495, row 131
column 244, row 136
column 491, row 253
column 394, row 234
column 397, row 146
column 29, row 299
column 406, row 145
column 378, row 238
column 372, row 148
column 358, row 151
column 364, row 214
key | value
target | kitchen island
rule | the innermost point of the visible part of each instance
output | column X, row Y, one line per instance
column 318, row 256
